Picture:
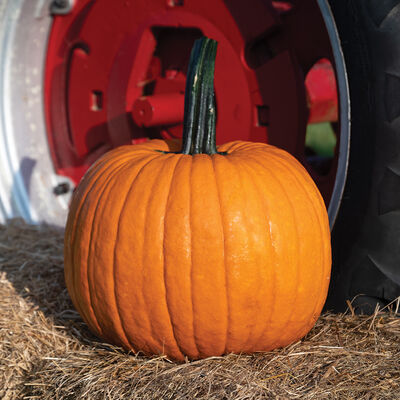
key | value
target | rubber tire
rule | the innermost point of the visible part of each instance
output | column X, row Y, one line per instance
column 366, row 235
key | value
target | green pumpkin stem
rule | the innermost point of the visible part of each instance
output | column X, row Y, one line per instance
column 199, row 115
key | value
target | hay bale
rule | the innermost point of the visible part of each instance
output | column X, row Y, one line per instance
column 47, row 352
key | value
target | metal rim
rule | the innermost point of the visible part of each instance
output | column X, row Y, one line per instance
column 27, row 176
column 344, row 106
column 52, row 184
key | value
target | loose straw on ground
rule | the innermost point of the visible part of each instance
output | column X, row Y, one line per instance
column 47, row 352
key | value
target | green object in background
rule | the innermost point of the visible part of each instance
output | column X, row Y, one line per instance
column 321, row 139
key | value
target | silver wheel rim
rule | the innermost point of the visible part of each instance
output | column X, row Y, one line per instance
column 344, row 112
column 27, row 175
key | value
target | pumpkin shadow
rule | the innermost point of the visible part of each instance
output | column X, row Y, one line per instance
column 32, row 261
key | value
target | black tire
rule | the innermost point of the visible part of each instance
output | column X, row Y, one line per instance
column 366, row 235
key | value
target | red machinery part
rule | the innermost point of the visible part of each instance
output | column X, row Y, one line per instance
column 158, row 110
column 322, row 93
column 118, row 77
column 167, row 109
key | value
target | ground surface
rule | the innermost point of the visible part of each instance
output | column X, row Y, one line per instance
column 46, row 351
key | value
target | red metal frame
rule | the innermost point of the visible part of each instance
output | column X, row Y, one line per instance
column 118, row 77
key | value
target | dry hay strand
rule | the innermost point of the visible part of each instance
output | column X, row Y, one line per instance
column 47, row 352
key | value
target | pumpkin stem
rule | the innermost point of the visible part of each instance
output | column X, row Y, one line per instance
column 199, row 115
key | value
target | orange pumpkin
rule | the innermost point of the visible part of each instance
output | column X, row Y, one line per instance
column 202, row 251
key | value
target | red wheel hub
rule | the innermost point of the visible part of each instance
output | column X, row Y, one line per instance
column 116, row 74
